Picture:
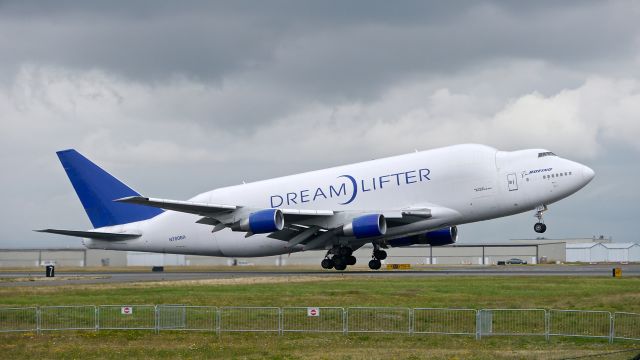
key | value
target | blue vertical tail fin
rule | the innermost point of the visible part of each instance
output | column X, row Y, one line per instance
column 97, row 189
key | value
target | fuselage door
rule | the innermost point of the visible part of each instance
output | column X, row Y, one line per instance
column 512, row 180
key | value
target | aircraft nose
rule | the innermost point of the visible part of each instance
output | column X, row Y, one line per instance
column 587, row 173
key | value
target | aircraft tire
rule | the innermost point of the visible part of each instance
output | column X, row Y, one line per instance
column 351, row 260
column 327, row 264
column 375, row 264
column 341, row 267
column 539, row 228
column 380, row 254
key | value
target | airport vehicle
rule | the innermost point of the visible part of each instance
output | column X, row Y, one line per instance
column 516, row 261
column 417, row 198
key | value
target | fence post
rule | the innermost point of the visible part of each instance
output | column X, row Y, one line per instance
column 346, row 321
column 280, row 321
column 547, row 324
column 612, row 327
column 478, row 324
column 96, row 317
column 38, row 320
column 218, row 321
column 411, row 321
column 156, row 315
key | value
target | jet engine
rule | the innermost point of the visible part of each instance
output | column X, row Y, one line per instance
column 445, row 236
column 261, row 222
column 366, row 226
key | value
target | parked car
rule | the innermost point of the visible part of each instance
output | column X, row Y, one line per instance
column 516, row 261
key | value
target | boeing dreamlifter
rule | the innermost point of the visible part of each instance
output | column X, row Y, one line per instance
column 417, row 198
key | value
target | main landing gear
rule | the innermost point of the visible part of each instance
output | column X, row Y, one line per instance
column 378, row 255
column 540, row 227
column 342, row 257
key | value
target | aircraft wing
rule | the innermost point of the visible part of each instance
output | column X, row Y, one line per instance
column 203, row 209
column 206, row 209
column 312, row 228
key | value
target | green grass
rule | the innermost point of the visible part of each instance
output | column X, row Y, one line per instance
column 171, row 345
column 595, row 293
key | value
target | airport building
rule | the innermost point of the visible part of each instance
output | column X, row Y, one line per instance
column 533, row 251
column 603, row 252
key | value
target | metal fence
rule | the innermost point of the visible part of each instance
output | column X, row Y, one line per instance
column 18, row 319
column 378, row 319
column 512, row 322
column 626, row 326
column 190, row 318
column 313, row 319
column 446, row 321
column 127, row 317
column 81, row 317
column 249, row 319
column 580, row 323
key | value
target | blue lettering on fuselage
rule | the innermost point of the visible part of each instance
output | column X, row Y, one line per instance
column 177, row 238
column 347, row 191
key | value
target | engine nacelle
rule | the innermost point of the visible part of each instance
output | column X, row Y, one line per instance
column 261, row 222
column 439, row 237
column 366, row 226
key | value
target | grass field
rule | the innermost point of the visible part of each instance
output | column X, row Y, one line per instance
column 595, row 293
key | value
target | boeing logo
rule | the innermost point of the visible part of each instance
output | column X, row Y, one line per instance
column 349, row 188
column 539, row 171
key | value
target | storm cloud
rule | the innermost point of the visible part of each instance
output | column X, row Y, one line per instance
column 177, row 99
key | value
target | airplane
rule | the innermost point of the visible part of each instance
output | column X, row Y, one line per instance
column 416, row 198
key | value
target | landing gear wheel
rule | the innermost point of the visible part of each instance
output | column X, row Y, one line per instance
column 351, row 260
column 340, row 266
column 327, row 264
column 339, row 262
column 540, row 228
column 375, row 264
column 379, row 254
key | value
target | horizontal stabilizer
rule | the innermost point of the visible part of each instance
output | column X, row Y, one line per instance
column 92, row 234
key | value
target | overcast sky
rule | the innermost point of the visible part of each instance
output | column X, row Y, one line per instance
column 176, row 100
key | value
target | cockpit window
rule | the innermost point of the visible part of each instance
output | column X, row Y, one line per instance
column 548, row 153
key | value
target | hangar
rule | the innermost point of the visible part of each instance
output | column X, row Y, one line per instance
column 603, row 252
column 532, row 251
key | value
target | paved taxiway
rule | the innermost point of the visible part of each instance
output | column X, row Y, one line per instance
column 9, row 279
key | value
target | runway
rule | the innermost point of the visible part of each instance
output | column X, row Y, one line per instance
column 37, row 278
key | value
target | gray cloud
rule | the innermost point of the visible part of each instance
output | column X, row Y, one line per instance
column 180, row 99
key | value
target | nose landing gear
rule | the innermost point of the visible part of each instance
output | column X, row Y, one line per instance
column 540, row 227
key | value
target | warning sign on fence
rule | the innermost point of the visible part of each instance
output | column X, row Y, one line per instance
column 313, row 311
column 126, row 310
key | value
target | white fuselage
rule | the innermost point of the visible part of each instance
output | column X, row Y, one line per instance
column 469, row 182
